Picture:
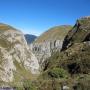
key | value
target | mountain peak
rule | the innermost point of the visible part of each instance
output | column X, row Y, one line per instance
column 54, row 33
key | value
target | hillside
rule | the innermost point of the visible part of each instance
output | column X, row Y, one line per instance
column 70, row 68
column 6, row 27
column 50, row 41
column 17, row 62
column 79, row 33
column 54, row 33
column 62, row 54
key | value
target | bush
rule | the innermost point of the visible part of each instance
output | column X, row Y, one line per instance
column 57, row 73
column 28, row 85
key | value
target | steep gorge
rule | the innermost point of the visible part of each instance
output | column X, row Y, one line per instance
column 70, row 68
column 63, row 52
column 49, row 42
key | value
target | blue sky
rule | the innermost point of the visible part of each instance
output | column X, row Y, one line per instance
column 36, row 16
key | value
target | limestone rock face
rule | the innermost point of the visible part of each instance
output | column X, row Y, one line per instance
column 79, row 33
column 45, row 49
column 73, row 59
column 49, row 42
column 75, row 55
column 16, row 59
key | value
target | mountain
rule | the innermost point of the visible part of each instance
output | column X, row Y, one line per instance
column 54, row 33
column 59, row 59
column 79, row 33
column 30, row 38
column 17, row 62
column 70, row 68
column 49, row 42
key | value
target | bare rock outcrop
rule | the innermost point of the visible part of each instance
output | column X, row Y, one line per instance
column 49, row 42
column 16, row 58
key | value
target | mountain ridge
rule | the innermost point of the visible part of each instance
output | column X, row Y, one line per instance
column 49, row 42
column 69, row 68
column 16, row 59
column 59, row 63
column 30, row 38
column 53, row 33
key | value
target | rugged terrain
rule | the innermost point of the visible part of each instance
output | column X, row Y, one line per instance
column 62, row 51
column 70, row 68
column 49, row 42
column 17, row 62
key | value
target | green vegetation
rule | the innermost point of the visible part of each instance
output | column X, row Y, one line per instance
column 21, row 74
column 79, row 33
column 55, row 33
column 23, row 79
column 27, row 85
column 71, row 66
column 57, row 73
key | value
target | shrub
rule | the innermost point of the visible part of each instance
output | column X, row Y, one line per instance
column 57, row 73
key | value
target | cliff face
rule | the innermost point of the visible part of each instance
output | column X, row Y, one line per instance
column 49, row 42
column 71, row 66
column 16, row 59
column 75, row 49
column 79, row 33
column 45, row 49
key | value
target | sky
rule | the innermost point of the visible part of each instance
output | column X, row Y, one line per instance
column 37, row 16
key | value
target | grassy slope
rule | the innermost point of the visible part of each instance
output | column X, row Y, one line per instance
column 70, row 66
column 78, row 33
column 20, row 75
column 5, row 27
column 75, row 61
column 54, row 33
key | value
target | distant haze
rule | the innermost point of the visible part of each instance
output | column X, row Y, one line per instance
column 30, row 38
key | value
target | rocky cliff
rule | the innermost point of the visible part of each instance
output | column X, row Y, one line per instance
column 49, row 42
column 79, row 33
column 70, row 68
column 17, row 62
